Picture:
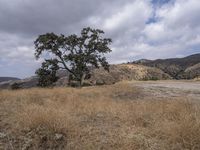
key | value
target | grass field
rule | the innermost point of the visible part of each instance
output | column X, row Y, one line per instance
column 120, row 116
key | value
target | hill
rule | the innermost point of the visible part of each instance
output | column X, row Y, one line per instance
column 160, row 69
column 2, row 79
column 101, row 77
column 117, row 73
column 127, row 72
column 178, row 68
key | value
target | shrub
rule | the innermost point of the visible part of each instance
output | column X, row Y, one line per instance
column 16, row 86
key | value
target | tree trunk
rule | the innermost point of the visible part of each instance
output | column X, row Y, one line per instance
column 69, row 79
column 81, row 81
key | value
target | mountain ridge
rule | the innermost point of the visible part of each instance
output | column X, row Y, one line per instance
column 3, row 79
column 175, row 67
column 160, row 69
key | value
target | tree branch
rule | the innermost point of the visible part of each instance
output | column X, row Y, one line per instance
column 65, row 66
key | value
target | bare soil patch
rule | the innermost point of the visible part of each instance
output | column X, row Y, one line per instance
column 170, row 88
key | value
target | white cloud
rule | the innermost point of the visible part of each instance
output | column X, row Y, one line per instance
column 127, row 15
column 183, row 13
column 174, row 31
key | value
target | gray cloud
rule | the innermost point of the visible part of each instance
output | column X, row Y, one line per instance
column 139, row 28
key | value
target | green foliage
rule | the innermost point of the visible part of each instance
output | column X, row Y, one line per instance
column 76, row 54
column 47, row 73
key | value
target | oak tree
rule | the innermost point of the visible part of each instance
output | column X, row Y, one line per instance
column 76, row 54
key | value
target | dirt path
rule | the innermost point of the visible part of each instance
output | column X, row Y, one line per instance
column 189, row 89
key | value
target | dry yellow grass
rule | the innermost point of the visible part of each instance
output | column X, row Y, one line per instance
column 105, row 117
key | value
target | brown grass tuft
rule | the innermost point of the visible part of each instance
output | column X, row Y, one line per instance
column 106, row 117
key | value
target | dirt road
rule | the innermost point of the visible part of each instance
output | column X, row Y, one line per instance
column 189, row 89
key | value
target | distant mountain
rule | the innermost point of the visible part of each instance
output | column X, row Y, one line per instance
column 144, row 69
column 99, row 76
column 3, row 79
column 142, row 61
column 178, row 68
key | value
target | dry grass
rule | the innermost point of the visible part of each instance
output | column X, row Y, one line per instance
column 106, row 117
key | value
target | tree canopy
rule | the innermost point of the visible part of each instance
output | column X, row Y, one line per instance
column 76, row 54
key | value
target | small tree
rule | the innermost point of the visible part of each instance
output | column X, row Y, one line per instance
column 47, row 73
column 76, row 54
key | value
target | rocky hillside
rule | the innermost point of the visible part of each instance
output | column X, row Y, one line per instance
column 100, row 76
column 126, row 72
column 178, row 68
column 191, row 72
column 119, row 73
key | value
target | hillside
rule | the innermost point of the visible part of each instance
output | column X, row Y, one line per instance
column 191, row 72
column 101, row 77
column 160, row 69
column 127, row 72
column 178, row 68
column 2, row 79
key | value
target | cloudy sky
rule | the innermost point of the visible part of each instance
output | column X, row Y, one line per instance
column 139, row 28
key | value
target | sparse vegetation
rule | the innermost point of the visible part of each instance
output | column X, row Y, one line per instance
column 178, row 68
column 105, row 117
column 15, row 86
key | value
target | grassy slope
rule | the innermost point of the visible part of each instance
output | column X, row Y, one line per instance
column 106, row 117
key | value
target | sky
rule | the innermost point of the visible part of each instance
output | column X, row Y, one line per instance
column 139, row 29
